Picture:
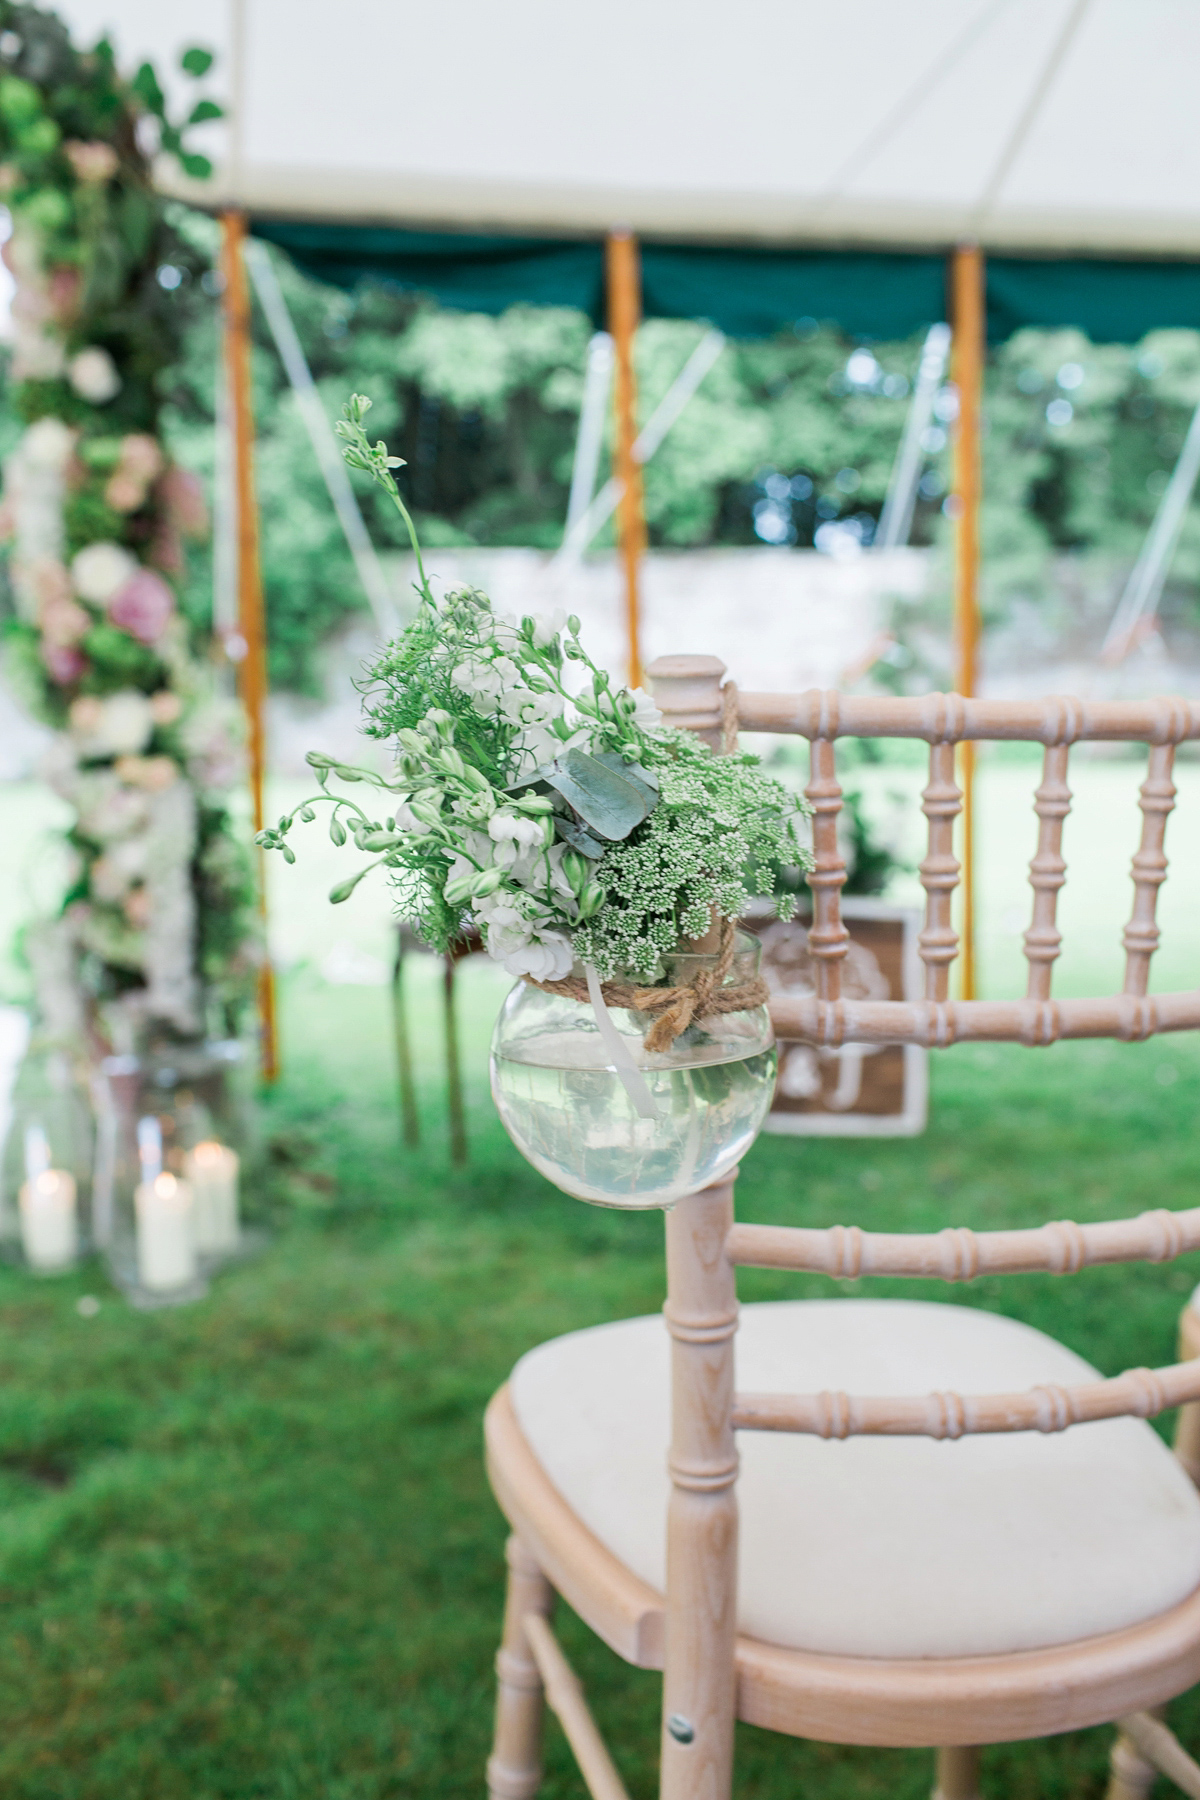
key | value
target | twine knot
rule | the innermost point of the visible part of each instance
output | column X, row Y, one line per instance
column 674, row 1008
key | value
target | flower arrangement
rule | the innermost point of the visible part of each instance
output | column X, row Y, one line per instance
column 157, row 928
column 534, row 798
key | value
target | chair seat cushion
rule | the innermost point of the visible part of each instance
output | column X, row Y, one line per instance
column 891, row 1547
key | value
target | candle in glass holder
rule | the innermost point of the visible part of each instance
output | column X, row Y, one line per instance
column 166, row 1249
column 212, row 1175
column 49, row 1232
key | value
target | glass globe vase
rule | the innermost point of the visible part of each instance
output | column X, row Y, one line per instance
column 566, row 1108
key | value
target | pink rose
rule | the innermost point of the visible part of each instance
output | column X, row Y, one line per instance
column 64, row 663
column 183, row 493
column 64, row 622
column 64, row 291
column 91, row 161
column 124, row 493
column 50, row 582
column 140, row 456
column 143, row 607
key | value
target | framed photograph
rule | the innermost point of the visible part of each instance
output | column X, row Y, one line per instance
column 861, row 1090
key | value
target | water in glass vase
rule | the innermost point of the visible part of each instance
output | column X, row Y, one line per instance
column 578, row 1127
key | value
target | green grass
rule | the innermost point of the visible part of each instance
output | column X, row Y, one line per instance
column 247, row 1547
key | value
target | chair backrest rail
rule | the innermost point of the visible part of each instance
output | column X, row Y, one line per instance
column 936, row 1024
column 1140, row 1393
column 949, row 718
column 960, row 1254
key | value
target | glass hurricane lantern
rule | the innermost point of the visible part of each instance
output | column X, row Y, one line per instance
column 45, row 1218
column 168, row 1170
column 566, row 1109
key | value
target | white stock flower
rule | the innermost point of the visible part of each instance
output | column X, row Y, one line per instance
column 477, row 679
column 645, row 713
column 101, row 570
column 508, row 930
column 524, row 707
column 548, row 956
column 517, row 828
column 546, row 626
column 93, row 375
column 537, row 745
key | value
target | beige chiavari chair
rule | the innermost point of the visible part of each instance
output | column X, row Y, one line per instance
column 948, row 1567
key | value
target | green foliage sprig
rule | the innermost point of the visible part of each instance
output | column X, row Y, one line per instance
column 562, row 819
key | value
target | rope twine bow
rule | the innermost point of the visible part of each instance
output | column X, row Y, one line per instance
column 674, row 1008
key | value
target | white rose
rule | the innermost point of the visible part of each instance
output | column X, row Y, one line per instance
column 48, row 444
column 93, row 375
column 123, row 727
column 102, row 570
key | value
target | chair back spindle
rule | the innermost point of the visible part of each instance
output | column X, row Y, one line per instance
column 828, row 938
column 1047, row 871
column 941, row 802
column 1157, row 800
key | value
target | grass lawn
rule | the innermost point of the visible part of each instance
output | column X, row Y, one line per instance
column 247, row 1547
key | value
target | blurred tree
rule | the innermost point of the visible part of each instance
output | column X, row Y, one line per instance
column 784, row 437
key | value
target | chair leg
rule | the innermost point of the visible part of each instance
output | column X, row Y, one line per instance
column 1132, row 1776
column 514, row 1769
column 957, row 1773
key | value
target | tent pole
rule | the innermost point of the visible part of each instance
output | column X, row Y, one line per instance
column 251, row 642
column 623, row 271
column 967, row 292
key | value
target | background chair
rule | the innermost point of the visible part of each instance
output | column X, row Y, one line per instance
column 895, row 1588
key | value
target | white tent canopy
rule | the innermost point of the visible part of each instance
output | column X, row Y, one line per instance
column 1039, row 125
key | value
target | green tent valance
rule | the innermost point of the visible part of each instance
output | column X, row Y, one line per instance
column 751, row 292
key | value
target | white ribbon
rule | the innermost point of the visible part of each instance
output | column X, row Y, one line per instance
column 627, row 1071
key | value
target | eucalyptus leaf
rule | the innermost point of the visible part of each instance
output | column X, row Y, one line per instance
column 607, row 801
column 579, row 839
column 541, row 777
column 634, row 771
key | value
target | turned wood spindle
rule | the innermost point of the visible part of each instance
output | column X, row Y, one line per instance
column 1157, row 800
column 699, row 1678
column 514, row 1770
column 687, row 691
column 941, row 802
column 828, row 938
column 1047, row 871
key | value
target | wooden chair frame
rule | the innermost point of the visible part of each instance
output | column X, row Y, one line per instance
column 711, row 1675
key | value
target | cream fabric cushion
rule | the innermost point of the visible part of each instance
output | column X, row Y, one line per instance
column 897, row 1547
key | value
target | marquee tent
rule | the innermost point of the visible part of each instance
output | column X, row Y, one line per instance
column 758, row 152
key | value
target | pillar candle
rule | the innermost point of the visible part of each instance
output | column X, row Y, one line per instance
column 49, row 1228
column 166, row 1250
column 212, row 1174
